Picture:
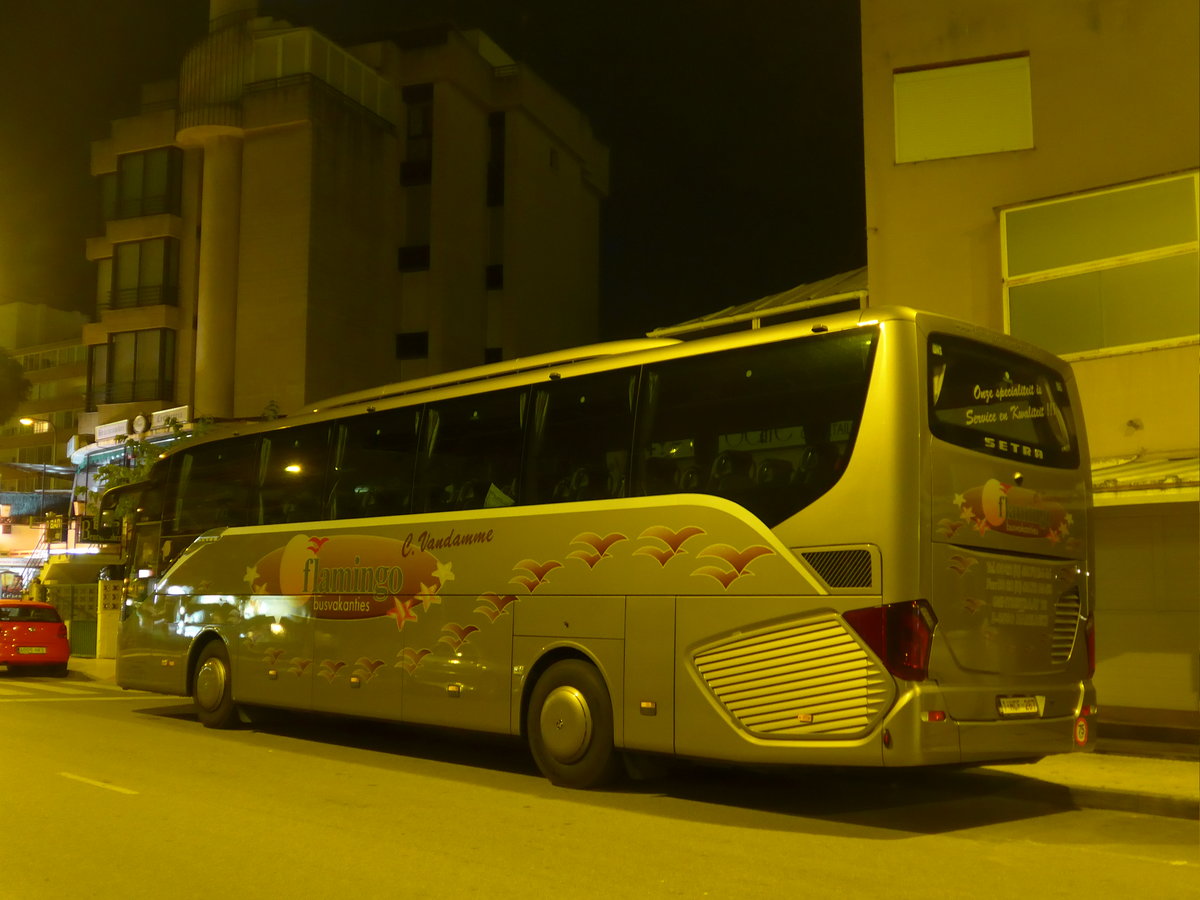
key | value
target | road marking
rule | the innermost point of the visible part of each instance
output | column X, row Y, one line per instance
column 99, row 784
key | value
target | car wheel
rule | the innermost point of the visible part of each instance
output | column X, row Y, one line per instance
column 570, row 726
column 212, row 687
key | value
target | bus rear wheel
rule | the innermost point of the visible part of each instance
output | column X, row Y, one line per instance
column 212, row 687
column 570, row 726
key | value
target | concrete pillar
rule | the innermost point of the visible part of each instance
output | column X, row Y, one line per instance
column 216, row 295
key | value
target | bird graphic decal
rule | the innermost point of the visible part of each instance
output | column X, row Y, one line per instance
column 599, row 545
column 494, row 606
column 316, row 543
column 947, row 527
column 961, row 564
column 411, row 658
column 365, row 668
column 538, row 570
column 456, row 635
column 739, row 559
column 674, row 541
column 330, row 668
column 973, row 604
column 271, row 657
column 298, row 666
column 722, row 575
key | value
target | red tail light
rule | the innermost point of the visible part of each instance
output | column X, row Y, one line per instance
column 901, row 635
column 62, row 631
column 1089, row 629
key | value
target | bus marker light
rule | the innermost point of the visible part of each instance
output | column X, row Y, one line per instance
column 355, row 681
column 935, row 715
column 454, row 690
column 272, row 674
column 804, row 718
column 648, row 708
column 887, row 739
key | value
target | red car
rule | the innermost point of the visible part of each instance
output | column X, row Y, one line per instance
column 33, row 636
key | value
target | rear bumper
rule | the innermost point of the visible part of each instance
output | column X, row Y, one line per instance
column 913, row 735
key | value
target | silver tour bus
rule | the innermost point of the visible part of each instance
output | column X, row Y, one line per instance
column 856, row 540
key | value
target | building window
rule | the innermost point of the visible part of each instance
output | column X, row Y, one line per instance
column 962, row 109
column 148, row 183
column 132, row 366
column 412, row 345
column 145, row 273
column 418, row 129
column 493, row 277
column 495, row 167
column 1110, row 268
column 413, row 259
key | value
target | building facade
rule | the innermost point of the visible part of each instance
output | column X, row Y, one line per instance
column 1032, row 167
column 293, row 219
column 48, row 344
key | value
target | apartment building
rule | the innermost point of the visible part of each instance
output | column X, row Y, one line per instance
column 292, row 219
column 1032, row 166
column 48, row 344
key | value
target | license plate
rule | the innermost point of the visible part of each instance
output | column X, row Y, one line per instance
column 1018, row 706
column 31, row 649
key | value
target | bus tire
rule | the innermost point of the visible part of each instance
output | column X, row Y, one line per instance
column 212, row 688
column 570, row 726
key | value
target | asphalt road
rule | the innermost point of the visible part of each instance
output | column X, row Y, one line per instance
column 110, row 794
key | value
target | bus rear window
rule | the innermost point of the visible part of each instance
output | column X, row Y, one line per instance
column 988, row 399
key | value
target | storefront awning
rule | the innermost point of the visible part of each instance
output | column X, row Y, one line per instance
column 1125, row 481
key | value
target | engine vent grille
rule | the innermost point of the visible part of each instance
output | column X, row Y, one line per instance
column 808, row 679
column 1066, row 625
column 842, row 568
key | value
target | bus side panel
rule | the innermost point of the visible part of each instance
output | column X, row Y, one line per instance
column 776, row 680
column 649, row 708
column 455, row 659
column 272, row 652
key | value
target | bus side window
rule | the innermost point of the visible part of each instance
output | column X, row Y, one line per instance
column 769, row 427
column 213, row 484
column 579, row 442
column 373, row 465
column 294, row 463
column 470, row 452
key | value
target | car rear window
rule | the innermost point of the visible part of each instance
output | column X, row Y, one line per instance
column 16, row 613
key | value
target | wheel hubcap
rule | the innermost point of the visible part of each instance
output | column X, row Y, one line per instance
column 210, row 683
column 566, row 724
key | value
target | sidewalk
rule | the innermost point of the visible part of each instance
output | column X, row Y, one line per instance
column 1125, row 773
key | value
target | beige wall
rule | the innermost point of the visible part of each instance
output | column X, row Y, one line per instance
column 271, row 340
column 1147, row 585
column 1115, row 93
column 1115, row 96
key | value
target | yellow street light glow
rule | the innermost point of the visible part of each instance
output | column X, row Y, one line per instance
column 293, row 468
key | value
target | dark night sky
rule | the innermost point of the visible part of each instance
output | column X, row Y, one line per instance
column 735, row 130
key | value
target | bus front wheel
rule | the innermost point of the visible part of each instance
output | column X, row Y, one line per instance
column 570, row 726
column 212, row 688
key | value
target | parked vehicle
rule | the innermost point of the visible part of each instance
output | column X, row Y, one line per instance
column 33, row 637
